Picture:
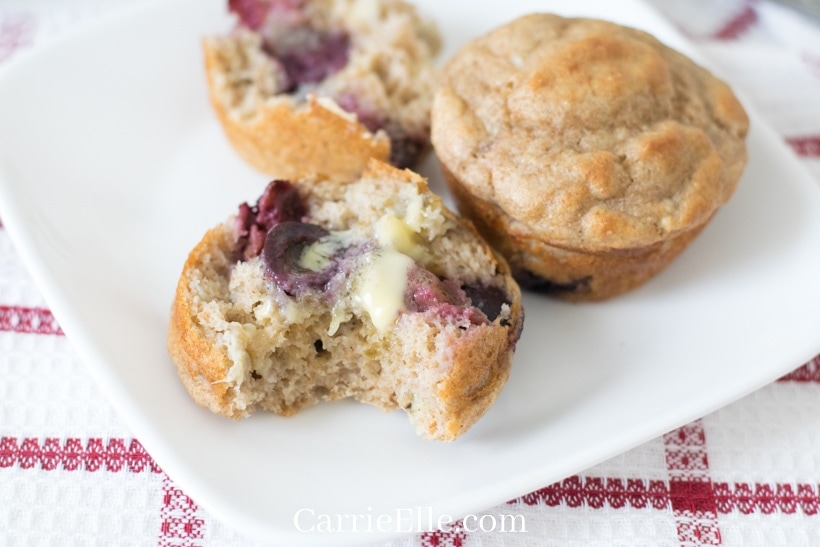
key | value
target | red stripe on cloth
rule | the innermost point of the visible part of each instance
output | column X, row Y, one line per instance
column 182, row 524
column 454, row 536
column 686, row 458
column 682, row 495
column 692, row 497
column 690, row 489
column 810, row 372
column 16, row 31
column 28, row 320
column 767, row 499
column 737, row 25
column 694, row 500
column 597, row 493
column 50, row 454
column 807, row 146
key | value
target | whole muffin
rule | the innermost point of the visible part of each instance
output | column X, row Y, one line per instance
column 321, row 86
column 588, row 153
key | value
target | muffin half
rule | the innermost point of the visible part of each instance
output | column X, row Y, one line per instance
column 320, row 86
column 368, row 289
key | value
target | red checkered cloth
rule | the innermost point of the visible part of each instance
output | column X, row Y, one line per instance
column 748, row 474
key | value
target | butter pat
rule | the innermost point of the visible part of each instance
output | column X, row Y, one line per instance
column 382, row 282
column 392, row 232
column 378, row 286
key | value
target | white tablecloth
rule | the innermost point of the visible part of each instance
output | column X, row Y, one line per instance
column 71, row 472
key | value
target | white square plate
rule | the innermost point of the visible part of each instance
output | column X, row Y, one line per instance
column 112, row 166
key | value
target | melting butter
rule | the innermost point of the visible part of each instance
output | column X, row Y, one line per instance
column 380, row 290
column 379, row 285
column 393, row 233
column 382, row 282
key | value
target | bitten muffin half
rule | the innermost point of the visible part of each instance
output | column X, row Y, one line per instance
column 588, row 153
column 321, row 86
column 369, row 289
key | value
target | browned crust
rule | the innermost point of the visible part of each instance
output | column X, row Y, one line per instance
column 287, row 142
column 201, row 364
column 604, row 274
column 481, row 367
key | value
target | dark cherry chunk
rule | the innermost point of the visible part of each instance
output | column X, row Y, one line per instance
column 283, row 250
column 280, row 202
column 405, row 149
column 318, row 56
column 488, row 299
column 426, row 292
column 535, row 282
column 368, row 116
column 308, row 55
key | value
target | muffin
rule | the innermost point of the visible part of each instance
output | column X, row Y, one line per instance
column 368, row 288
column 588, row 153
column 320, row 86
